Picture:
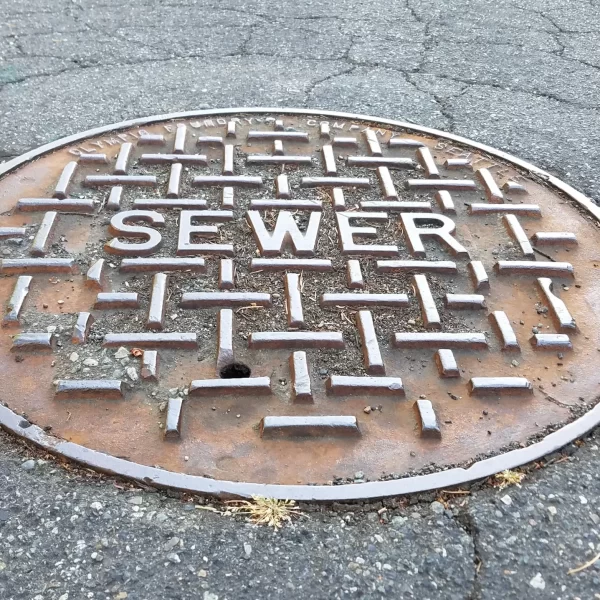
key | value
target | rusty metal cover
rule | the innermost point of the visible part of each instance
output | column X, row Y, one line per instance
column 295, row 304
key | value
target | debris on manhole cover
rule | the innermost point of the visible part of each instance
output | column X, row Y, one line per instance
column 295, row 305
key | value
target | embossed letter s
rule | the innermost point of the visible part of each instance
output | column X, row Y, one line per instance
column 119, row 228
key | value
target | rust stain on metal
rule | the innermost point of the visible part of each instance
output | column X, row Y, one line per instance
column 278, row 349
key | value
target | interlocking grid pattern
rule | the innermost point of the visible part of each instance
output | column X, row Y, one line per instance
column 418, row 220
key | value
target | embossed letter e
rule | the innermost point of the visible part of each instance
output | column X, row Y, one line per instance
column 286, row 233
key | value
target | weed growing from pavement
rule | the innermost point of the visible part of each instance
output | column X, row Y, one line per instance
column 508, row 478
column 266, row 511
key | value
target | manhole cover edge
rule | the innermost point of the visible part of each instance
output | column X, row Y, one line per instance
column 111, row 465
column 14, row 423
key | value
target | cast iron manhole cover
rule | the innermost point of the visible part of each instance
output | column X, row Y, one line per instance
column 295, row 304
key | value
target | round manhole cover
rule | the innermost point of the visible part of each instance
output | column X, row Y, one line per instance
column 295, row 304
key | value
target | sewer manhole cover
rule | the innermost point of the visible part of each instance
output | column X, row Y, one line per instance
column 295, row 304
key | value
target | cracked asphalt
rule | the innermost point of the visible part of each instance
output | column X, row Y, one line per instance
column 520, row 75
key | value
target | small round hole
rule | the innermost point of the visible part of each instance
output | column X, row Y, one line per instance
column 235, row 371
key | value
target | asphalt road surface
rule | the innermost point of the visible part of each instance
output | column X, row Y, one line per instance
column 521, row 75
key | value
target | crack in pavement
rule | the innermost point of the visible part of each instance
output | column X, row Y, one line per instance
column 344, row 58
column 465, row 519
column 311, row 88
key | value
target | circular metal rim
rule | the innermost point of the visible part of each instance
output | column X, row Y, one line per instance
column 100, row 461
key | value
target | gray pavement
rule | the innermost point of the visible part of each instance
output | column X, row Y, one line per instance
column 522, row 76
